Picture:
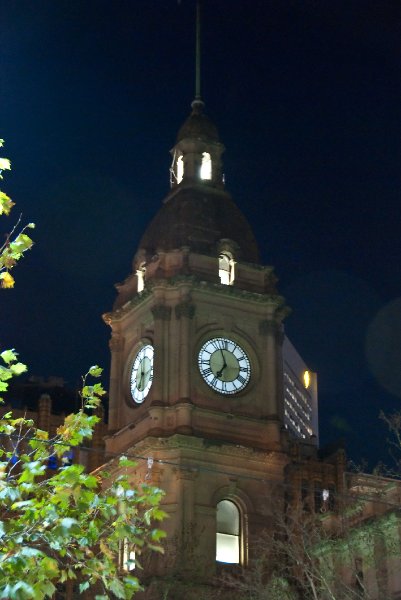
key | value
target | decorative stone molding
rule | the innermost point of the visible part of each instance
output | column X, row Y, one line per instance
column 228, row 245
column 119, row 313
column 161, row 311
column 185, row 309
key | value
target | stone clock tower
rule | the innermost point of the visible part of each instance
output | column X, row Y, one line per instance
column 197, row 368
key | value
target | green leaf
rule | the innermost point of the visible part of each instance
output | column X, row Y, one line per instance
column 21, row 243
column 9, row 493
column 19, row 591
column 18, row 368
column 4, row 164
column 95, row 371
column 83, row 586
column 117, row 587
column 9, row 356
column 68, row 522
column 90, row 482
column 47, row 589
column 5, row 373
column 126, row 462
column 29, row 552
column 6, row 204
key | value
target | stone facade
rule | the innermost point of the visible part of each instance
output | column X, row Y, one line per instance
column 196, row 280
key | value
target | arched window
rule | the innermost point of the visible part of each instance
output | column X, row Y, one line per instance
column 228, row 533
column 206, row 166
column 140, row 274
column 126, row 556
column 180, row 169
column 226, row 269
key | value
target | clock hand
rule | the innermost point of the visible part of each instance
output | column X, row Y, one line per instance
column 140, row 378
column 219, row 373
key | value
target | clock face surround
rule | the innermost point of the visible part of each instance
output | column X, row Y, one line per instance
column 141, row 377
column 224, row 365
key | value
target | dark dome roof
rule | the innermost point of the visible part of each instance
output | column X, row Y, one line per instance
column 198, row 125
column 199, row 217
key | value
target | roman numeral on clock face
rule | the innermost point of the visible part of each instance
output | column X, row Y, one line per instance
column 224, row 365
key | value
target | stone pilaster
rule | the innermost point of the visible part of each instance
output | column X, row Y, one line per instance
column 162, row 315
column 269, row 329
column 184, row 312
column 116, row 345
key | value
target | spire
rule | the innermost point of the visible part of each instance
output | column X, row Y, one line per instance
column 197, row 151
column 198, row 99
column 198, row 213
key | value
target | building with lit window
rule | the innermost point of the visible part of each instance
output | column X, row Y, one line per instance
column 208, row 391
column 219, row 410
column 300, row 395
column 204, row 382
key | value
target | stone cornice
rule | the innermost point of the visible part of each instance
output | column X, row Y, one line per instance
column 119, row 313
column 204, row 445
column 210, row 287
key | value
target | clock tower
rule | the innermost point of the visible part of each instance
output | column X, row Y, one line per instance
column 197, row 369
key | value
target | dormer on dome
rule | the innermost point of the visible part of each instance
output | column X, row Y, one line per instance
column 197, row 152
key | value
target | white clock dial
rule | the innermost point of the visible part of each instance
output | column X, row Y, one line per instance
column 224, row 365
column 142, row 374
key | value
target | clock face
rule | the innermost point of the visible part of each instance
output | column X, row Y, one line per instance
column 224, row 365
column 142, row 374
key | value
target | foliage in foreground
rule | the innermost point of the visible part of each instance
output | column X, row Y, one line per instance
column 17, row 242
column 65, row 526
column 62, row 525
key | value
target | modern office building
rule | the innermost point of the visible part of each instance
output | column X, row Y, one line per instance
column 300, row 395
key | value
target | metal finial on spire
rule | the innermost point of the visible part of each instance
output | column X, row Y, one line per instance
column 198, row 51
column 197, row 104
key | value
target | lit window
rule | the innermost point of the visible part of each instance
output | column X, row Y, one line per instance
column 206, row 167
column 140, row 274
column 306, row 379
column 180, row 169
column 228, row 533
column 126, row 558
column 226, row 269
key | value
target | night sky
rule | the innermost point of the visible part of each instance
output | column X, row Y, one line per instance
column 307, row 98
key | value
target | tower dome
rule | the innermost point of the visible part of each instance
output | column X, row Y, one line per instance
column 198, row 125
column 198, row 212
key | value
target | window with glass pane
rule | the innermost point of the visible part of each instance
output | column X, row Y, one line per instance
column 206, row 166
column 140, row 273
column 126, row 556
column 226, row 269
column 180, row 169
column 228, row 533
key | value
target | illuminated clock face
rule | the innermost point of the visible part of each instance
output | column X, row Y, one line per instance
column 224, row 365
column 142, row 374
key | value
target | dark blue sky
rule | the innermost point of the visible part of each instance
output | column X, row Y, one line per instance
column 307, row 98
